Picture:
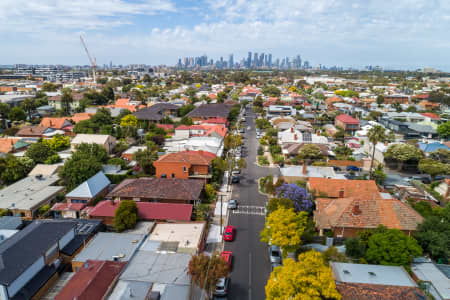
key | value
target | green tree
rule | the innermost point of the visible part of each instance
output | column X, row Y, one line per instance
column 284, row 228
column 210, row 193
column 49, row 87
column 85, row 150
column 184, row 110
column 39, row 152
column 271, row 91
column 401, row 153
column 392, row 248
column 17, row 114
column 433, row 167
column 13, row 169
column 380, row 99
column 76, row 171
column 378, row 175
column 4, row 110
column 275, row 203
column 310, row 151
column 442, row 155
column 126, row 215
column 308, row 278
column 354, row 248
column 444, row 130
column 28, row 105
column 145, row 159
column 206, row 270
column 332, row 254
column 221, row 97
column 66, row 100
column 376, row 135
column 108, row 92
column 58, row 142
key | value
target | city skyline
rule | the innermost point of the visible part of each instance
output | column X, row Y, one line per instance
column 400, row 35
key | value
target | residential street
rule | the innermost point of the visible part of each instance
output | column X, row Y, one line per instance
column 251, row 267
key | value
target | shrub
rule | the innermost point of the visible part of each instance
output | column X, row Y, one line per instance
column 125, row 216
column 260, row 150
column 53, row 159
column 210, row 193
column 262, row 160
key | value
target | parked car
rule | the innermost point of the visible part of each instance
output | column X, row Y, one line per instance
column 222, row 286
column 228, row 234
column 227, row 257
column 235, row 179
column 236, row 172
column 275, row 254
column 353, row 168
column 232, row 204
column 337, row 169
column 274, row 265
column 242, row 130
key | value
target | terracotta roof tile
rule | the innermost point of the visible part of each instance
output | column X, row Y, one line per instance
column 365, row 291
column 192, row 157
column 81, row 117
column 352, row 188
column 32, row 131
column 347, row 119
column 56, row 123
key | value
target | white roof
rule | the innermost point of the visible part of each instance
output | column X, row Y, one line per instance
column 429, row 272
column 90, row 138
column 311, row 171
column 45, row 170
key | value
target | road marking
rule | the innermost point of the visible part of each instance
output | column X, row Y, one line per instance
column 249, row 276
column 249, row 210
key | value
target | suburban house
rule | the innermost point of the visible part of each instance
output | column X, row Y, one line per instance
column 57, row 123
column 436, row 277
column 34, row 131
column 347, row 122
column 24, row 197
column 184, row 131
column 274, row 111
column 12, row 145
column 128, row 154
column 78, row 117
column 164, row 190
column 291, row 174
column 368, row 282
column 104, row 140
column 212, row 144
column 156, row 112
column 184, row 164
column 207, row 111
column 56, row 101
column 148, row 211
column 82, row 195
column 92, row 281
column 30, row 258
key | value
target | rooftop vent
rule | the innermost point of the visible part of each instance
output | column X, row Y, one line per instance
column 372, row 274
column 346, row 272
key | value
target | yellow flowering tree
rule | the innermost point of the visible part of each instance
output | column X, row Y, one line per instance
column 284, row 228
column 293, row 89
column 307, row 279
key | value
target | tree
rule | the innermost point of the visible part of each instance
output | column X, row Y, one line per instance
column 128, row 121
column 108, row 92
column 433, row 167
column 275, row 203
column 28, row 105
column 354, row 248
column 284, row 228
column 310, row 151
column 309, row 278
column 433, row 234
column 145, row 159
column 299, row 196
column 392, row 248
column 210, row 193
column 271, row 91
column 76, row 171
column 376, row 135
column 378, row 175
column 126, row 215
column 401, row 153
column 380, row 99
column 17, row 114
column 49, row 87
column 58, row 142
column 39, row 152
column 66, row 100
column 206, row 270
column 4, row 110
column 332, row 254
column 232, row 141
column 218, row 166
column 13, row 169
column 442, row 155
column 85, row 150
column 444, row 130
column 242, row 163
column 343, row 152
column 184, row 110
column 221, row 97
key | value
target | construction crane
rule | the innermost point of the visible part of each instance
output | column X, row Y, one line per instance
column 92, row 61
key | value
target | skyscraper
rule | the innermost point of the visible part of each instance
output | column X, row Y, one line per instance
column 261, row 60
column 270, row 60
column 249, row 60
column 231, row 61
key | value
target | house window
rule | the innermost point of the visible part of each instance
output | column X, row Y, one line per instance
column 173, row 175
column 184, row 169
column 163, row 176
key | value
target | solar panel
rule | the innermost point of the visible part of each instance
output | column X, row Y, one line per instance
column 307, row 136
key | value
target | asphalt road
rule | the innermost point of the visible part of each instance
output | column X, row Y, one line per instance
column 251, row 267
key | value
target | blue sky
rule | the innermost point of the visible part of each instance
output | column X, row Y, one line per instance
column 398, row 34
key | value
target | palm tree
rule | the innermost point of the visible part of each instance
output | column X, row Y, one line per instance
column 376, row 134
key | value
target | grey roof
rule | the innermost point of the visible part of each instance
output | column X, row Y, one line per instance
column 311, row 171
column 153, row 113
column 371, row 274
column 91, row 187
column 140, row 290
column 105, row 245
column 444, row 269
column 211, row 110
column 21, row 250
column 429, row 272
column 421, row 128
column 10, row 222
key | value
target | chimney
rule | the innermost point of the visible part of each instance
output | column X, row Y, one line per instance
column 292, row 129
column 355, row 210
column 304, row 170
column 341, row 193
column 295, row 137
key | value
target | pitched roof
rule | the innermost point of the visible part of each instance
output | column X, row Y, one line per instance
column 365, row 291
column 147, row 210
column 352, row 188
column 92, row 281
column 192, row 157
column 7, row 144
column 431, row 116
column 22, row 250
column 64, row 206
column 32, row 131
column 213, row 110
column 153, row 113
column 57, row 123
column 159, row 188
column 75, row 97
column 91, row 187
column 347, row 119
column 81, row 117
column 122, row 101
column 165, row 126
column 365, row 213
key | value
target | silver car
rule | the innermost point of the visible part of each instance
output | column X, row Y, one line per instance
column 232, row 204
column 275, row 254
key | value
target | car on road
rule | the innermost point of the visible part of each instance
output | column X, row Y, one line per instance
column 228, row 234
column 222, row 286
column 235, row 179
column 232, row 204
column 258, row 135
column 275, row 254
column 227, row 257
column 353, row 168
column 236, row 172
column 242, row 130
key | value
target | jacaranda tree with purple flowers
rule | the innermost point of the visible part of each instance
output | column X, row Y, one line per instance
column 300, row 197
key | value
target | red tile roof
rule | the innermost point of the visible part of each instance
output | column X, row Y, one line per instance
column 56, row 123
column 347, row 119
column 81, row 117
column 147, row 210
column 6, row 144
column 122, row 101
column 366, row 291
column 357, row 212
column 352, row 188
column 64, row 206
column 92, row 281
column 215, row 121
column 165, row 126
column 192, row 157
column 431, row 116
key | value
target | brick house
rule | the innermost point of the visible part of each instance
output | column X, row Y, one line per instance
column 391, row 99
column 184, row 164
column 347, row 122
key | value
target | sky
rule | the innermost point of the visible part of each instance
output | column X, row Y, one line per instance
column 403, row 34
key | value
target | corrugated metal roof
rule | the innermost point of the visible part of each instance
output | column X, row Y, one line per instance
column 91, row 187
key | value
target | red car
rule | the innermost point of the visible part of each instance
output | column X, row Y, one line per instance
column 228, row 235
column 227, row 257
